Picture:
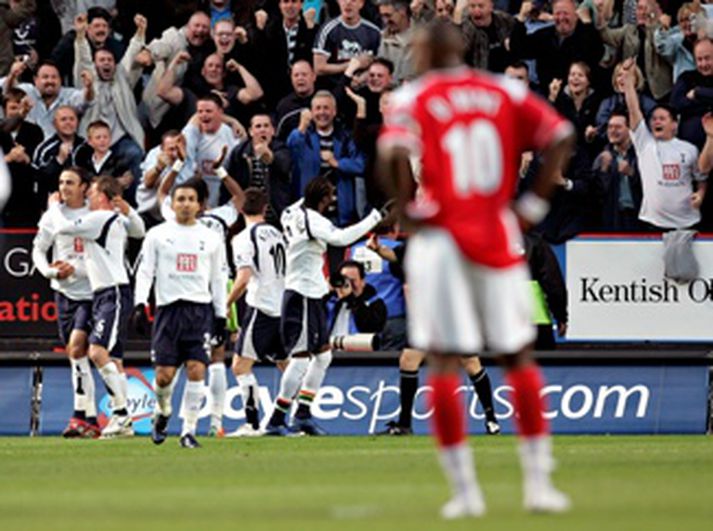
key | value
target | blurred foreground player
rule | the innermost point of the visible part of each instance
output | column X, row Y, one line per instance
column 105, row 231
column 462, row 265
column 73, row 295
column 185, row 261
column 260, row 261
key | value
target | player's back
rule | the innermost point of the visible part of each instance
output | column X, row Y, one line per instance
column 305, row 254
column 470, row 129
column 262, row 248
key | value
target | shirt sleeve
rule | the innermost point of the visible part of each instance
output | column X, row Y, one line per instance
column 88, row 226
column 219, row 280
column 641, row 137
column 146, row 271
column 226, row 212
column 40, row 245
column 243, row 253
column 135, row 226
column 320, row 43
column 322, row 229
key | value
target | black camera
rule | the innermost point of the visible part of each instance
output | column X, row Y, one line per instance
column 338, row 280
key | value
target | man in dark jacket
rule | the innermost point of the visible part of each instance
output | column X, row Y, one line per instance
column 485, row 32
column 279, row 44
column 19, row 139
column 287, row 114
column 263, row 163
column 354, row 306
column 556, row 47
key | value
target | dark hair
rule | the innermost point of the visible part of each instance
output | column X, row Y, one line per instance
column 670, row 110
column 316, row 190
column 196, row 184
column 97, row 124
column 519, row 64
column 108, row 185
column 255, row 202
column 98, row 12
column 353, row 263
column 212, row 97
column 383, row 61
column 169, row 134
column 84, row 177
column 620, row 112
column 401, row 5
column 47, row 62
column 13, row 94
column 262, row 113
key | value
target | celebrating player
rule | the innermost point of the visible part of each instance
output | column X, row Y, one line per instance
column 105, row 231
column 304, row 319
column 260, row 262
column 73, row 295
column 469, row 130
column 185, row 261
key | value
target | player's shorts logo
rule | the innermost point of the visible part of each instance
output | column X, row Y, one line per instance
column 186, row 263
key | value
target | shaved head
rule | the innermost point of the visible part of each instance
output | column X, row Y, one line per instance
column 437, row 45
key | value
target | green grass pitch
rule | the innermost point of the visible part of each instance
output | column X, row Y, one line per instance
column 340, row 483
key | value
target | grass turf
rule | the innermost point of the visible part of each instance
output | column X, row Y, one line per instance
column 340, row 483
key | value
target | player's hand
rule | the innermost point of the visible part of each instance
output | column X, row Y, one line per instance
column 64, row 269
column 697, row 199
column 139, row 320
column 217, row 163
column 120, row 204
column 217, row 338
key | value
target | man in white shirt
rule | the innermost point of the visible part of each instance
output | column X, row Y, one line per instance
column 205, row 142
column 73, row 295
column 260, row 261
column 105, row 231
column 304, row 319
column 186, row 261
column 673, row 188
column 154, row 169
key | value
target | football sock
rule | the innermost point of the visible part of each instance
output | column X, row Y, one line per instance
column 77, row 391
column 112, row 379
column 481, row 383
column 536, row 461
column 217, row 384
column 313, row 379
column 192, row 399
column 449, row 428
column 90, row 404
column 529, row 405
column 250, row 392
column 163, row 399
column 408, row 385
column 289, row 385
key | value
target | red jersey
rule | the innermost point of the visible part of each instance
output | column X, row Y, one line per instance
column 469, row 130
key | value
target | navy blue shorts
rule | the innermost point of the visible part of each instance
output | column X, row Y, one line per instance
column 111, row 309
column 259, row 338
column 72, row 315
column 181, row 332
column 304, row 323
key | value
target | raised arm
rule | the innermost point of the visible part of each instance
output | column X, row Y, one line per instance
column 167, row 88
column 322, row 229
column 630, row 94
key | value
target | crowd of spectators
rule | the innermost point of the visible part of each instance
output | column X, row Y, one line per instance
column 280, row 91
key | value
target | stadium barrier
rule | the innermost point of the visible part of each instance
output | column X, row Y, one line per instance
column 588, row 392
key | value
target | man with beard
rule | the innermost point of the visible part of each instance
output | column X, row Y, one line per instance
column 47, row 94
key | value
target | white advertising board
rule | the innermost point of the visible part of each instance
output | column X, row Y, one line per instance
column 618, row 292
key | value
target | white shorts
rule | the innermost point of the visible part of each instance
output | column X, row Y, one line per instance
column 456, row 306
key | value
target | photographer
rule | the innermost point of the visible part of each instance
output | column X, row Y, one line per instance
column 354, row 306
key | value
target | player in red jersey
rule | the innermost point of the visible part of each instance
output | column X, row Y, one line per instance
column 467, row 280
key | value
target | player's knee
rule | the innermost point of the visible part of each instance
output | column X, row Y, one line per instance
column 76, row 351
column 163, row 379
column 324, row 359
column 410, row 360
column 241, row 366
column 471, row 364
column 98, row 355
column 217, row 355
column 195, row 371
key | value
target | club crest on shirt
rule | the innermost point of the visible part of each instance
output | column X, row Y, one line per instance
column 671, row 172
column 186, row 263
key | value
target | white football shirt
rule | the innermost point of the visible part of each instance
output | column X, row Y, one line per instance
column 261, row 247
column 308, row 233
column 187, row 263
column 66, row 248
